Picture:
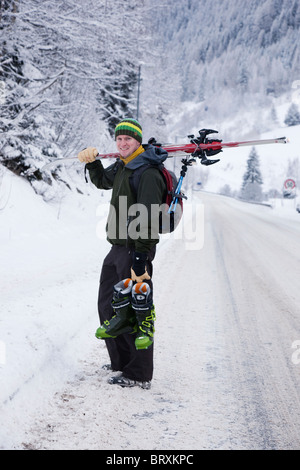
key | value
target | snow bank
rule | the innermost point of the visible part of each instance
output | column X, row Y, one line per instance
column 50, row 260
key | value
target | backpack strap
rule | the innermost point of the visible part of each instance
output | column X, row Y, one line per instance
column 134, row 179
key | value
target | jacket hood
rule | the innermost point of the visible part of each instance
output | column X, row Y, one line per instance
column 152, row 155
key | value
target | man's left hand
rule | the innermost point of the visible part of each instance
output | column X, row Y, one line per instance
column 138, row 270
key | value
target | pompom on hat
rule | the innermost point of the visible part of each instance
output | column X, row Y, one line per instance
column 129, row 127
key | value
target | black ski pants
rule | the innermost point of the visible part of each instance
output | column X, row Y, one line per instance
column 135, row 364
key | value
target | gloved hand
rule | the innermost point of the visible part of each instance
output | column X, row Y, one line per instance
column 88, row 155
column 138, row 269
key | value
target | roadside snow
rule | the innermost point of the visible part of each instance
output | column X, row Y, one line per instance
column 49, row 268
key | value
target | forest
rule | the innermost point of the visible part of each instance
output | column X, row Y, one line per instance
column 70, row 70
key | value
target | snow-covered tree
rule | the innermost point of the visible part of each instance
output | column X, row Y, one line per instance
column 224, row 37
column 226, row 190
column 69, row 70
column 252, row 181
column 293, row 116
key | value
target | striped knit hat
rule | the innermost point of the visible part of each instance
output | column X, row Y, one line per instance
column 129, row 127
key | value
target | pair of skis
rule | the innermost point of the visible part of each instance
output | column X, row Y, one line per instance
column 202, row 147
column 217, row 145
column 199, row 147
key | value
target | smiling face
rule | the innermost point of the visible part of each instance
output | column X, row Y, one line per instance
column 126, row 145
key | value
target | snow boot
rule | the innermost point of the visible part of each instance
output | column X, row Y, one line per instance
column 145, row 314
column 124, row 320
column 125, row 382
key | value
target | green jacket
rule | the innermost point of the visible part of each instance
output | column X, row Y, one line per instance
column 132, row 219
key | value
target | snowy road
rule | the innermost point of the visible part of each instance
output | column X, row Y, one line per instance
column 226, row 373
column 238, row 311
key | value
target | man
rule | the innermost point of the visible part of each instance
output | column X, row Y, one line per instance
column 125, row 300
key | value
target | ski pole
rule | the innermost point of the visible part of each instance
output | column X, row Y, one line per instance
column 174, row 202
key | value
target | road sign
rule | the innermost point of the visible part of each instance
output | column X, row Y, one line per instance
column 289, row 184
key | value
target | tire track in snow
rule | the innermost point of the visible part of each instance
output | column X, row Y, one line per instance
column 253, row 262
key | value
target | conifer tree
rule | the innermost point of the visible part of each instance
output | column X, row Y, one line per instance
column 293, row 116
column 252, row 180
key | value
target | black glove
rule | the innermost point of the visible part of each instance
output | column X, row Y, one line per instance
column 139, row 262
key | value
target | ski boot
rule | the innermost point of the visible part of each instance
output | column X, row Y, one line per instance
column 145, row 315
column 124, row 319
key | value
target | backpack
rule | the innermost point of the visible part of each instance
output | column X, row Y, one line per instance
column 167, row 222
